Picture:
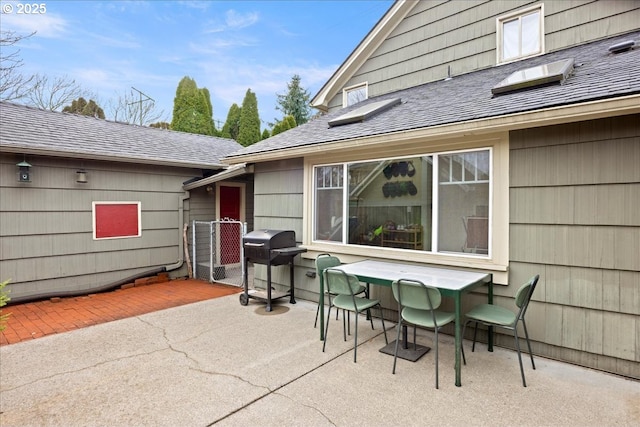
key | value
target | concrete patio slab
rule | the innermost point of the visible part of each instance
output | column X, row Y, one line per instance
column 219, row 363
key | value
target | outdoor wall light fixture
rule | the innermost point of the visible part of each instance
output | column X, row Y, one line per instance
column 24, row 172
column 81, row 176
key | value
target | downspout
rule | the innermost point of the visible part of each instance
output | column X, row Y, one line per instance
column 180, row 261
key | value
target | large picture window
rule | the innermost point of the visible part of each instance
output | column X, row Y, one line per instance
column 438, row 202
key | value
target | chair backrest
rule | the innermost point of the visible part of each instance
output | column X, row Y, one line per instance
column 324, row 261
column 523, row 295
column 415, row 294
column 340, row 283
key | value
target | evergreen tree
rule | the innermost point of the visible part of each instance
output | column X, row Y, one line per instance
column 207, row 97
column 81, row 106
column 192, row 110
column 232, row 125
column 249, row 132
column 265, row 134
column 160, row 125
column 295, row 102
column 288, row 122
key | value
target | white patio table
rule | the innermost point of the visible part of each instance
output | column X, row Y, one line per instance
column 451, row 283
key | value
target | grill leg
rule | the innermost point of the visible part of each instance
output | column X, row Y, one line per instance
column 292, row 300
column 268, row 286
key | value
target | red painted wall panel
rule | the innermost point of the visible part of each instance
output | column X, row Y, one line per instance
column 116, row 220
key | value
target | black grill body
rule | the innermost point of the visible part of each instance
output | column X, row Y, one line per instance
column 259, row 246
column 269, row 247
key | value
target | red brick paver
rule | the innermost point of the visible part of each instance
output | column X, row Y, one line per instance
column 36, row 319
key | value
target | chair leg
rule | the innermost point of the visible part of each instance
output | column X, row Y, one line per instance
column 475, row 329
column 348, row 314
column 515, row 335
column 526, row 335
column 464, row 327
column 344, row 326
column 395, row 352
column 355, row 344
column 315, row 323
column 384, row 329
column 415, row 344
column 326, row 329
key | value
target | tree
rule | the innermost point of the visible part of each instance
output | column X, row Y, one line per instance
column 52, row 93
column 232, row 125
column 288, row 122
column 295, row 102
column 265, row 134
column 13, row 85
column 249, row 132
column 192, row 111
column 160, row 125
column 132, row 108
column 81, row 106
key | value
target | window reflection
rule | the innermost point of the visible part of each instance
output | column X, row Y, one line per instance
column 389, row 202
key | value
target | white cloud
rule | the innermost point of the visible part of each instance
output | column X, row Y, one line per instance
column 46, row 25
column 235, row 20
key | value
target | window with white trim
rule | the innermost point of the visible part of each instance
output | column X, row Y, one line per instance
column 520, row 34
column 435, row 202
column 354, row 94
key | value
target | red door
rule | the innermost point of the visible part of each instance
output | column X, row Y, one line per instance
column 230, row 209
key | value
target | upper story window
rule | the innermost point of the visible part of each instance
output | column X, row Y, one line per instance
column 434, row 202
column 354, row 94
column 521, row 34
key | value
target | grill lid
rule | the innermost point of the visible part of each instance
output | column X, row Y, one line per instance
column 270, row 239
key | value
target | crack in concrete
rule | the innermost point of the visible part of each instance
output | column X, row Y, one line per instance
column 197, row 367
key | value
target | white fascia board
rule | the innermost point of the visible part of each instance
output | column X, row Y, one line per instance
column 231, row 172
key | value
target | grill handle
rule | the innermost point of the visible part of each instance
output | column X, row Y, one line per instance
column 255, row 245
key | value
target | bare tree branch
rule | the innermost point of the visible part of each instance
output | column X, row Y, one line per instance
column 54, row 93
column 13, row 85
column 128, row 108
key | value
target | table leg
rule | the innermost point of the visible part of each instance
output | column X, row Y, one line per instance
column 490, row 331
column 458, row 338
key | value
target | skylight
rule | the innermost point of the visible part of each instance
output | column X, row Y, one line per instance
column 361, row 114
column 535, row 76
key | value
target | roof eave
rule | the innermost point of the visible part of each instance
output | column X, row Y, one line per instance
column 232, row 172
column 543, row 117
column 109, row 158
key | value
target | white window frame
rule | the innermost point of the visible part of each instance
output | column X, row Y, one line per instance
column 360, row 86
column 498, row 260
column 434, row 226
column 501, row 20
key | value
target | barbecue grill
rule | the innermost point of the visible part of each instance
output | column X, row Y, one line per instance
column 269, row 247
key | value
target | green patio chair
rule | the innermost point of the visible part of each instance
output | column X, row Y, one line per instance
column 494, row 315
column 343, row 287
column 324, row 261
column 417, row 305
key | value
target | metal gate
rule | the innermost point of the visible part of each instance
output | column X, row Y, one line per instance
column 218, row 252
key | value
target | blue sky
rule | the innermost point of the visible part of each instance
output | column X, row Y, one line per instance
column 225, row 46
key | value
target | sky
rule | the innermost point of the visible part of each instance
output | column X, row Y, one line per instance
column 108, row 47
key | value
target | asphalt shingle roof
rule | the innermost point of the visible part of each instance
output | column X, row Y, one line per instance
column 598, row 74
column 71, row 135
